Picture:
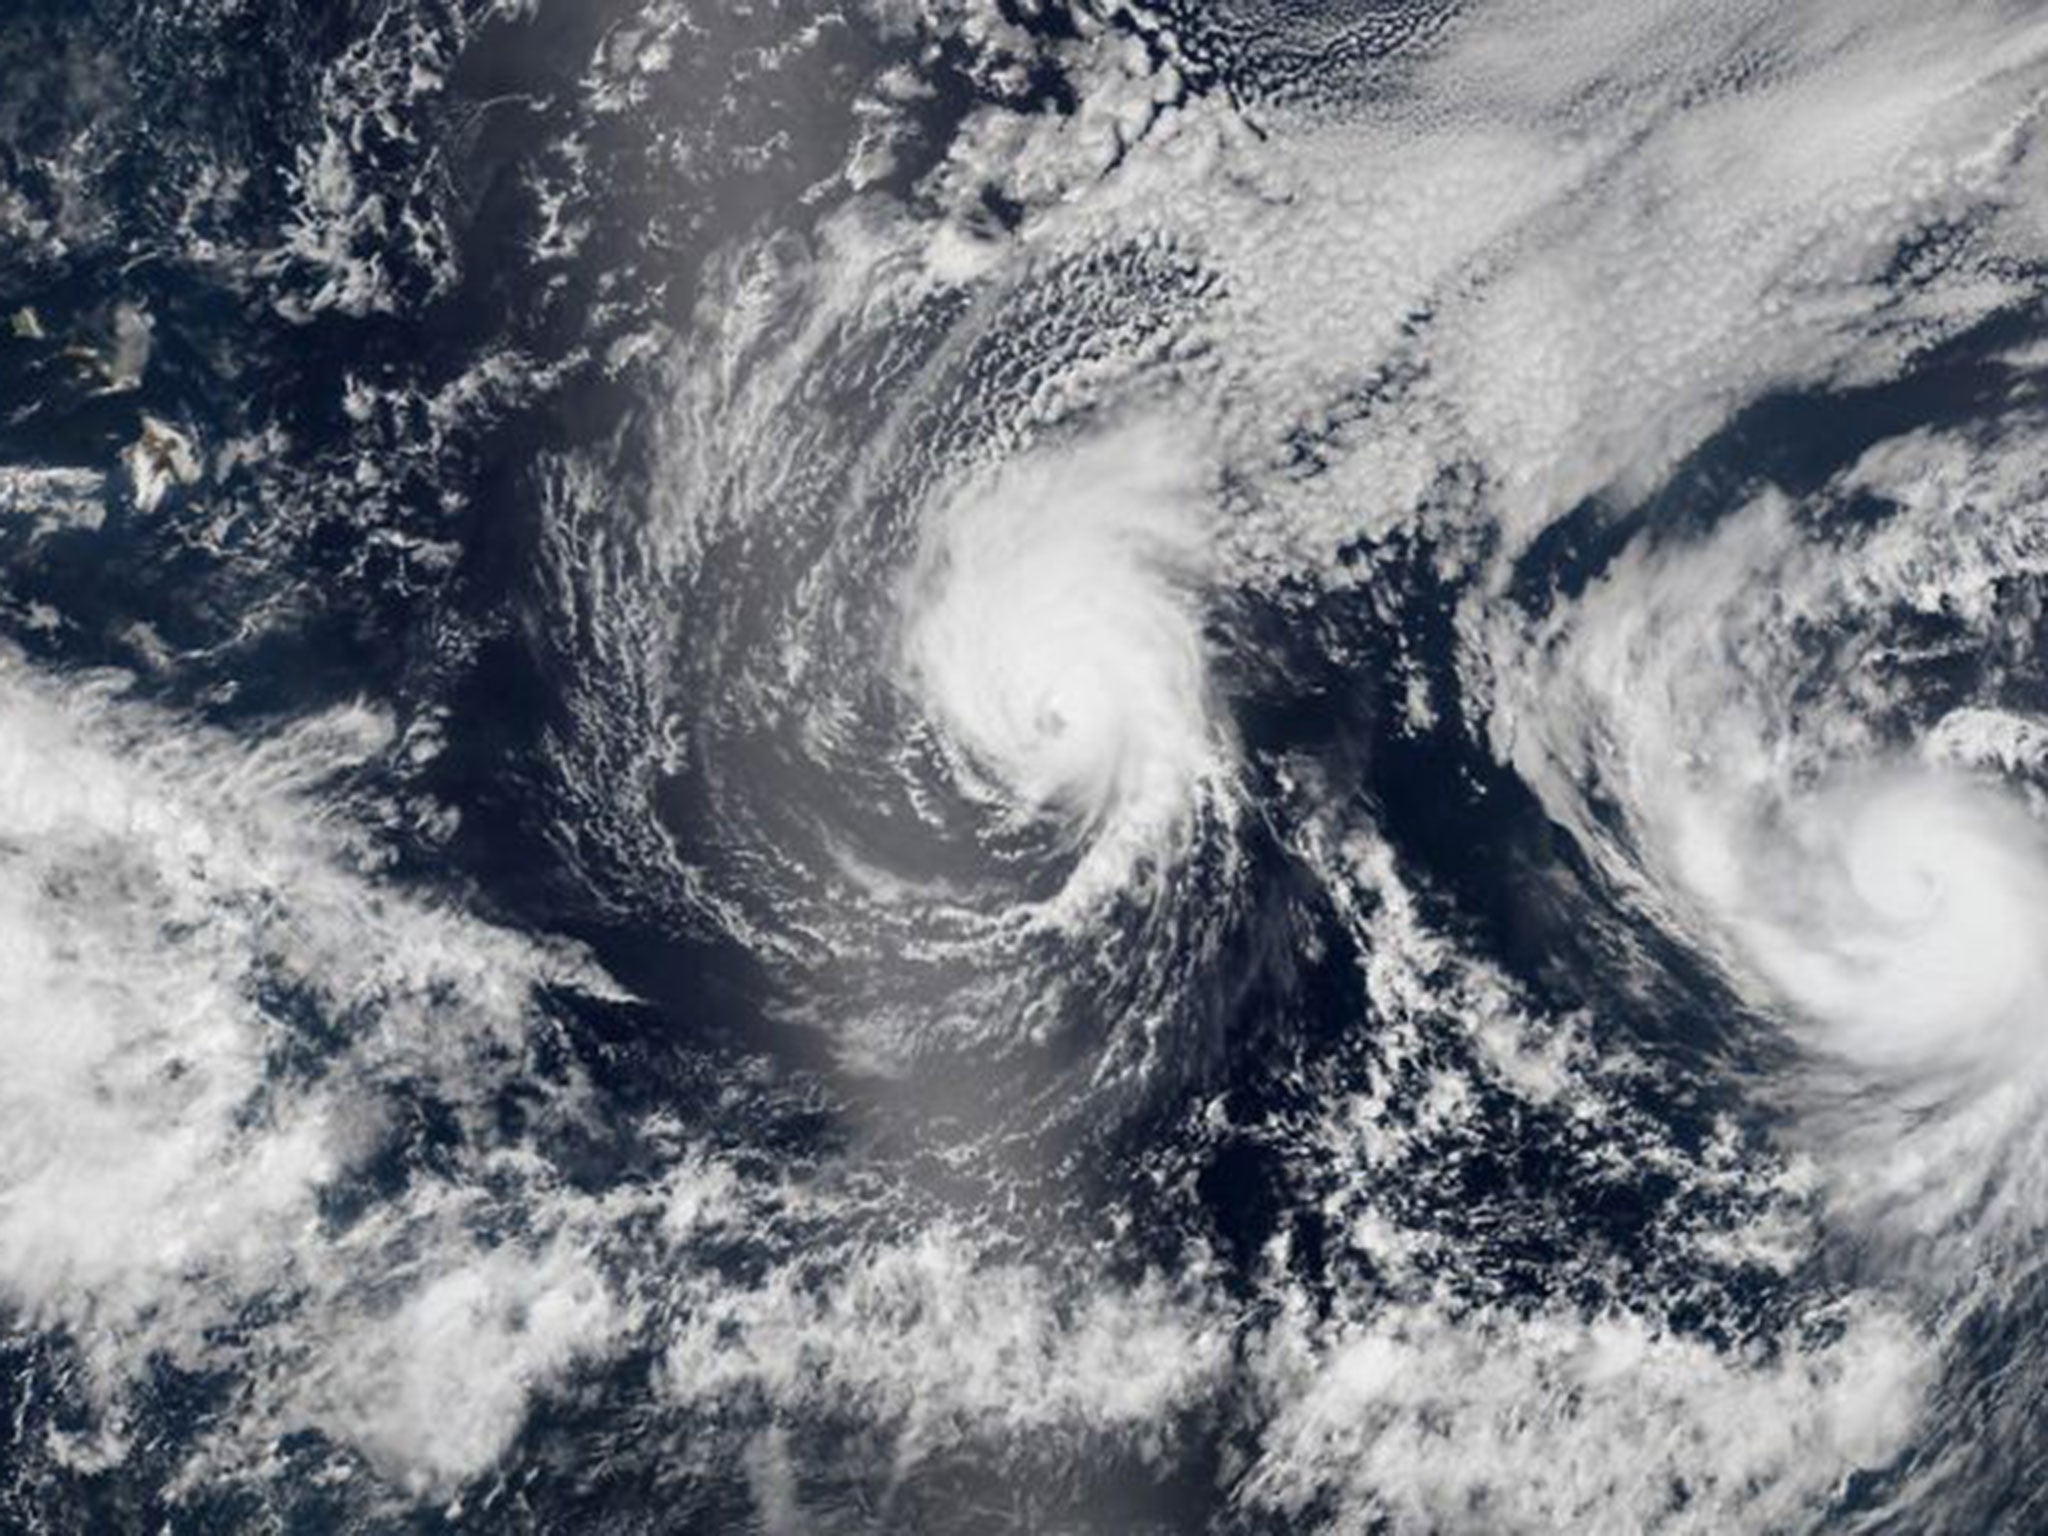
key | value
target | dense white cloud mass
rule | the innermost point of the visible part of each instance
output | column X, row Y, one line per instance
column 1423, row 1421
column 1561, row 245
column 208, row 1000
column 1888, row 902
column 1053, row 624
column 925, row 1339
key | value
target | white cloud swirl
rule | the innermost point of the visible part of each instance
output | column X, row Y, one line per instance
column 1904, row 914
column 1053, row 629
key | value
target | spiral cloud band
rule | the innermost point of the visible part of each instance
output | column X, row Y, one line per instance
column 1054, row 629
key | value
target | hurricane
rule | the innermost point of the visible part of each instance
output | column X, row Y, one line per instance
column 1023, row 765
